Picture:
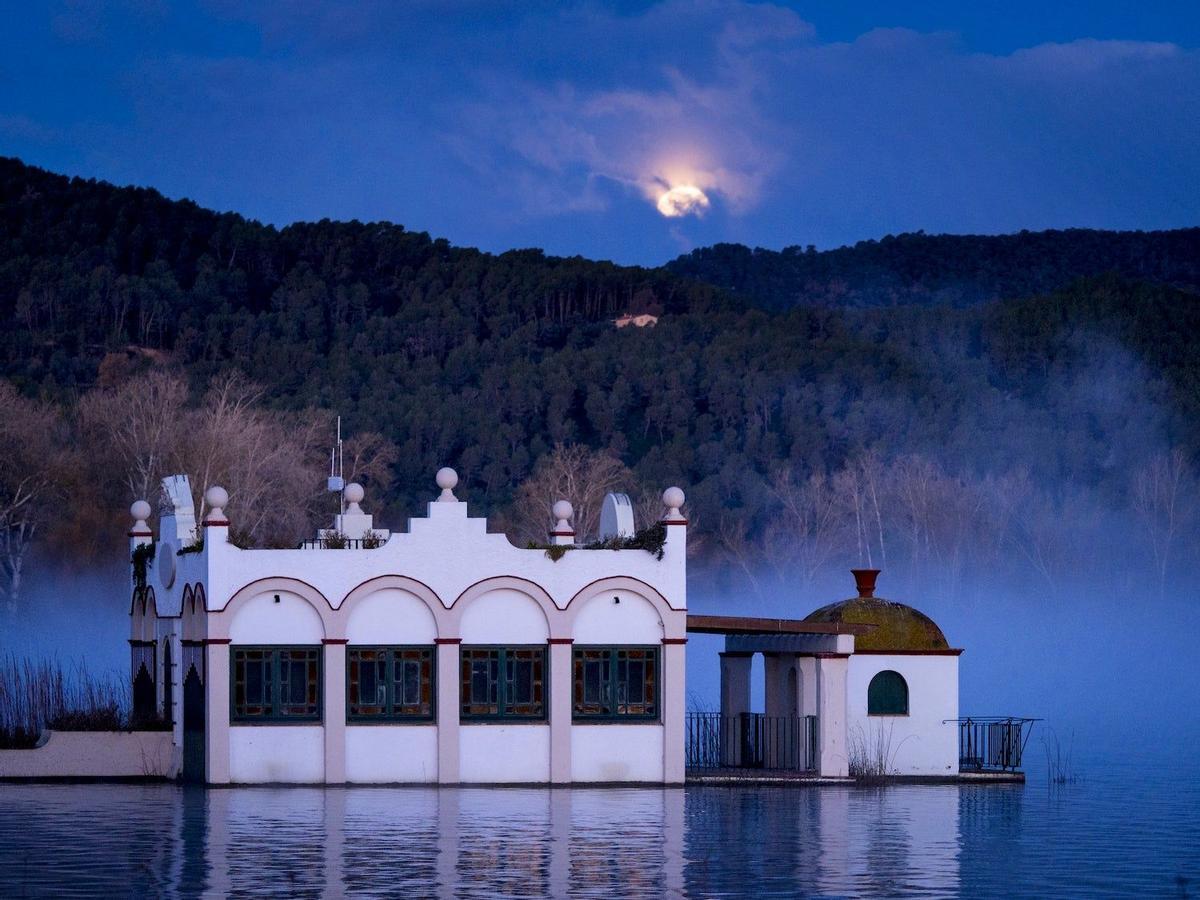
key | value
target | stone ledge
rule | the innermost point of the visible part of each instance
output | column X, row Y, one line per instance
column 91, row 754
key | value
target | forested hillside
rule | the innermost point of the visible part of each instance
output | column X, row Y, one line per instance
column 946, row 269
column 815, row 414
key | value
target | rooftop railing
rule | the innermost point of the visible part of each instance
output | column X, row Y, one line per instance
column 992, row 743
column 341, row 544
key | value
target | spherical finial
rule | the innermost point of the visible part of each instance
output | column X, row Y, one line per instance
column 354, row 492
column 216, row 497
column 447, row 480
column 672, row 499
column 563, row 510
column 140, row 511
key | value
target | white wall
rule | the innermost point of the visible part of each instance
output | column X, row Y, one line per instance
column 263, row 621
column 919, row 743
column 391, row 754
column 617, row 752
column 504, row 616
column 632, row 621
column 391, row 616
column 276, row 753
column 504, row 754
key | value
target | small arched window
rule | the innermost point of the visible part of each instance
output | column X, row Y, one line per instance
column 887, row 695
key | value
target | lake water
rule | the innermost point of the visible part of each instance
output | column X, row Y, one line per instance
column 1123, row 830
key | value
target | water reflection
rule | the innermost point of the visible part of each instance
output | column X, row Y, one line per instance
column 162, row 840
column 90, row 839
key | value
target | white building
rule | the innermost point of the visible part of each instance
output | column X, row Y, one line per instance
column 444, row 654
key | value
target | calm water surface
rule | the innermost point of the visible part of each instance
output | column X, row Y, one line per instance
column 1122, row 831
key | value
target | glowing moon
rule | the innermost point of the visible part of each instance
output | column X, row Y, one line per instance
column 682, row 200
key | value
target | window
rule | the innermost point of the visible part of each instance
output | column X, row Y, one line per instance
column 887, row 695
column 504, row 683
column 276, row 684
column 615, row 683
column 389, row 683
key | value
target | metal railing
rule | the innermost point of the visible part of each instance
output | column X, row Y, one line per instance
column 341, row 544
column 751, row 741
column 992, row 743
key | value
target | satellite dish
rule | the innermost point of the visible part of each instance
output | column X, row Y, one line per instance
column 616, row 517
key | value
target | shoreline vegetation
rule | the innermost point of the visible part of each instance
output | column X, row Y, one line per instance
column 36, row 695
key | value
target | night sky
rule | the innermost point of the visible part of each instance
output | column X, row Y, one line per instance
column 564, row 125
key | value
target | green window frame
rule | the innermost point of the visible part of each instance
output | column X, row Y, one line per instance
column 887, row 694
column 390, row 684
column 614, row 684
column 275, row 685
column 504, row 683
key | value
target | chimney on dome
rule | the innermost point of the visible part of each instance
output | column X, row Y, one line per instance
column 864, row 580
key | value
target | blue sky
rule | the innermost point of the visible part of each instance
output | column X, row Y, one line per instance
column 563, row 125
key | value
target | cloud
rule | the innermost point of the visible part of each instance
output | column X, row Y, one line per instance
column 564, row 125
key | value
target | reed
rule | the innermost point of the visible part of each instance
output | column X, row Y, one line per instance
column 40, row 694
column 1060, row 767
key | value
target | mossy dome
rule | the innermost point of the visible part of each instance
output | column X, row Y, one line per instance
column 896, row 626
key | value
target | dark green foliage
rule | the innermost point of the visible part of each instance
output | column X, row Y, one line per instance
column 652, row 539
column 945, row 269
column 142, row 559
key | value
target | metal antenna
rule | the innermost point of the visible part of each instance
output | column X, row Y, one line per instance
column 336, row 483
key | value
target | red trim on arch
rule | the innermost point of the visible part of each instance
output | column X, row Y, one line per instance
column 335, row 640
column 436, row 595
column 674, row 522
column 648, row 587
column 471, row 587
column 560, row 640
column 950, row 652
column 447, row 640
column 312, row 588
column 674, row 640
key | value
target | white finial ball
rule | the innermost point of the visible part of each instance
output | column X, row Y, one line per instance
column 216, row 497
column 673, row 498
column 447, row 479
column 354, row 492
column 563, row 509
column 140, row 510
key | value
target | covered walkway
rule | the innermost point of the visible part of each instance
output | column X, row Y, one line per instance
column 803, row 727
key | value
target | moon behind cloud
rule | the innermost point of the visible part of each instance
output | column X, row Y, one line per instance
column 682, row 200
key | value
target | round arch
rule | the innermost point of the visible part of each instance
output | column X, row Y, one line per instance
column 423, row 592
column 551, row 614
column 674, row 626
column 221, row 620
column 199, row 599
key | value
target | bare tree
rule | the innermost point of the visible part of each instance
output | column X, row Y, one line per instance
column 1162, row 492
column 138, row 426
column 804, row 533
column 573, row 473
column 32, row 448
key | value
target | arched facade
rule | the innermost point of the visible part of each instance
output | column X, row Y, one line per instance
column 443, row 654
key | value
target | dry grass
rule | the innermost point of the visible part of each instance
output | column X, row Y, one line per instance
column 35, row 695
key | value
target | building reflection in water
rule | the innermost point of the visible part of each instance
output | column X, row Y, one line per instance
column 651, row 842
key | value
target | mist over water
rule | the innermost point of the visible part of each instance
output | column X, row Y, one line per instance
column 1114, row 670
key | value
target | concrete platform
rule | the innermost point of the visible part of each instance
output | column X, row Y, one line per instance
column 750, row 777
